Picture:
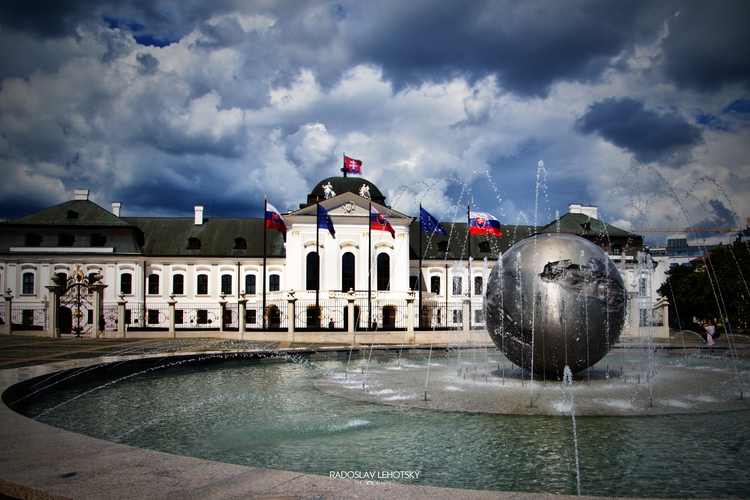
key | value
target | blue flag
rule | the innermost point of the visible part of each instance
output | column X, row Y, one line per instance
column 431, row 224
column 325, row 221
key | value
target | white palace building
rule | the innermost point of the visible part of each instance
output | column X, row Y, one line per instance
column 65, row 266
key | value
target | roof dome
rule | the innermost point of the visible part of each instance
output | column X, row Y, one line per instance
column 342, row 185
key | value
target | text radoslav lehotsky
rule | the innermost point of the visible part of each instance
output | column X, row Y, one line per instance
column 376, row 475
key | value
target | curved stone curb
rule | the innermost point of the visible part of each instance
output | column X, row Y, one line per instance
column 38, row 461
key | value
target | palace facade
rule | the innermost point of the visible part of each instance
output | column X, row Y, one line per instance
column 65, row 266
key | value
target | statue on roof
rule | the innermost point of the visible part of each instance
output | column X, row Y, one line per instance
column 364, row 191
column 328, row 190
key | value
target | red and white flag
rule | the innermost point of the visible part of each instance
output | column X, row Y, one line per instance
column 352, row 166
column 378, row 222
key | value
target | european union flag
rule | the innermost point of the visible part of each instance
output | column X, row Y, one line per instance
column 431, row 224
column 325, row 221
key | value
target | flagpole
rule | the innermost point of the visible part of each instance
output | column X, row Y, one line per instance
column 317, row 254
column 468, row 256
column 265, row 230
column 343, row 169
column 419, row 274
column 369, row 266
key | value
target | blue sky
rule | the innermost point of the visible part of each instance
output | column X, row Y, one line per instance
column 641, row 108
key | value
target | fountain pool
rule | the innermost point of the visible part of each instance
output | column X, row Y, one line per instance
column 313, row 416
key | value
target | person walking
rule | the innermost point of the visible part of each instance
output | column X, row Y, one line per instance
column 711, row 332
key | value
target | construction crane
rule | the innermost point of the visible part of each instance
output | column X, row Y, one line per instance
column 692, row 229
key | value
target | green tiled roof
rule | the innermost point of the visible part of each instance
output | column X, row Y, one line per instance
column 577, row 223
column 73, row 213
column 168, row 236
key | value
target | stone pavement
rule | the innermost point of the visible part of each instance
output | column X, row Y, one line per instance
column 39, row 461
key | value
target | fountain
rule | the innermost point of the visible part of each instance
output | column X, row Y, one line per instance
column 553, row 301
column 645, row 422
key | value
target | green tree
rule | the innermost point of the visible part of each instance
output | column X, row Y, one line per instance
column 715, row 288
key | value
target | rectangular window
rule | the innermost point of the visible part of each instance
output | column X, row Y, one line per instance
column 644, row 319
column 250, row 284
column 457, row 315
column 435, row 284
column 643, row 287
column 251, row 316
column 153, row 316
column 202, row 288
column 478, row 286
column 28, row 283
column 273, row 283
column 128, row 316
column 478, row 316
column 153, row 284
column 178, row 284
column 178, row 316
column 226, row 284
column 457, row 285
column 126, row 283
column 90, row 317
column 227, row 317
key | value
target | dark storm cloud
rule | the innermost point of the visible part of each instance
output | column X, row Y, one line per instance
column 666, row 138
column 47, row 18
column 721, row 216
column 528, row 45
column 708, row 46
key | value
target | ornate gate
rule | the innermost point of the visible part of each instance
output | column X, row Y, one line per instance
column 76, row 309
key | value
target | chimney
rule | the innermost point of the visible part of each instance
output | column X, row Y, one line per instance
column 81, row 194
column 590, row 210
column 116, row 205
column 198, row 215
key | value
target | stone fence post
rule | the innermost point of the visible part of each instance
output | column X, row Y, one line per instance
column 8, row 296
column 291, row 312
column 171, row 303
column 465, row 315
column 242, row 311
column 121, row 316
column 350, row 297
column 222, row 311
column 410, row 312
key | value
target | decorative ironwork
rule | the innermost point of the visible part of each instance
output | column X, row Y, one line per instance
column 76, row 306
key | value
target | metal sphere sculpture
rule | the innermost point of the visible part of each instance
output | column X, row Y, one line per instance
column 555, row 300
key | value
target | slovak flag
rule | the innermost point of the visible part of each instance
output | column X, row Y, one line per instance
column 352, row 166
column 274, row 220
column 378, row 222
column 484, row 223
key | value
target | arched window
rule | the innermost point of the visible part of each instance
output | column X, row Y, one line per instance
column 226, row 284
column 458, row 285
column 250, row 284
column 347, row 272
column 97, row 240
column 384, row 271
column 194, row 244
column 126, row 283
column 178, row 284
column 478, row 285
column 28, row 283
column 65, row 240
column 274, row 283
column 202, row 284
column 32, row 239
column 313, row 271
column 153, row 284
column 413, row 282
